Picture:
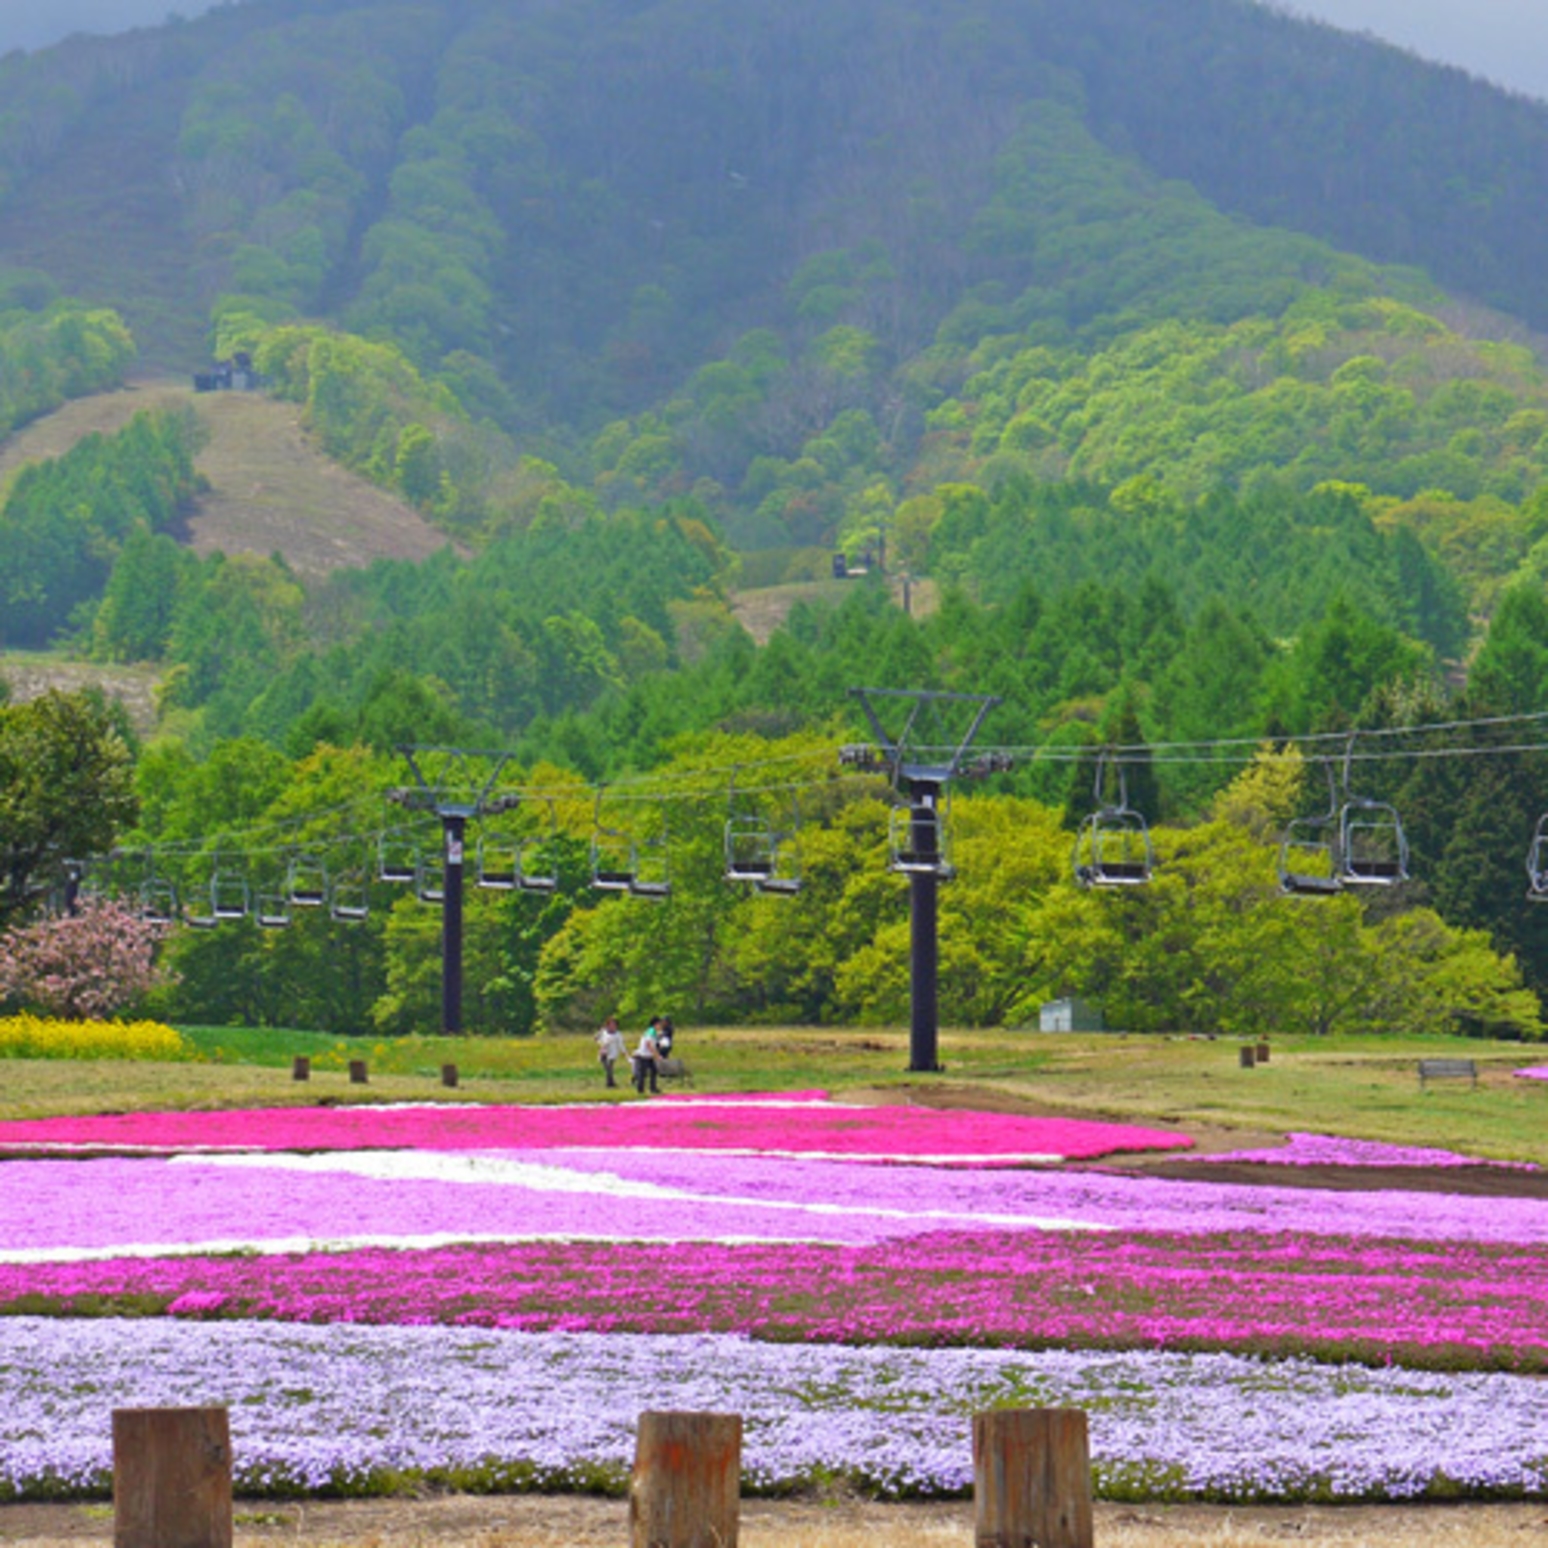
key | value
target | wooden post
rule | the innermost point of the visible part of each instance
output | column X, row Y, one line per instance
column 1247, row 1056
column 1031, row 1479
column 448, row 1074
column 686, row 1487
column 171, row 1478
column 301, row 1068
column 1263, row 1053
column 357, row 1072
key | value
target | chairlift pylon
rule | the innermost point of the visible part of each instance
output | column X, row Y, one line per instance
column 1113, row 846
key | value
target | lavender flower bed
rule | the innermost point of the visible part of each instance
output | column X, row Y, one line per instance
column 67, row 1210
column 1334, row 1150
column 350, row 1409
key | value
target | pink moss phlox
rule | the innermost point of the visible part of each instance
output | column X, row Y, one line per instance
column 1438, row 1304
column 859, row 1133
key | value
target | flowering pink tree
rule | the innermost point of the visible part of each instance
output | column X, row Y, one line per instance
column 83, row 966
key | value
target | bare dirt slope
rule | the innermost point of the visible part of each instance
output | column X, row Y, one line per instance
column 763, row 610
column 271, row 490
column 577, row 1521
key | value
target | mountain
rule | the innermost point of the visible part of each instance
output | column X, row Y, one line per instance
column 596, row 198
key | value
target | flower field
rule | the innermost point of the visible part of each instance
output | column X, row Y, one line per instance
column 50, row 1037
column 488, row 1297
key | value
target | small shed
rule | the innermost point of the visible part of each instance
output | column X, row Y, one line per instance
column 1071, row 1015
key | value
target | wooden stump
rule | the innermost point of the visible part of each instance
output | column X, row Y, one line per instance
column 1248, row 1056
column 357, row 1072
column 301, row 1068
column 1263, row 1053
column 686, row 1488
column 171, row 1478
column 1032, row 1479
column 448, row 1074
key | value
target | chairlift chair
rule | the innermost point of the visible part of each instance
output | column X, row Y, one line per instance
column 537, row 866
column 499, row 862
column 201, row 915
column 1373, row 849
column 612, row 855
column 651, row 868
column 306, row 882
column 230, row 897
column 397, row 859
column 907, row 855
column 158, row 901
column 1310, row 865
column 1113, row 846
column 1537, row 863
column 272, row 910
column 351, row 902
column 429, row 882
column 749, row 849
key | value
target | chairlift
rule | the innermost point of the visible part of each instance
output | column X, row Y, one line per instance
column 397, row 859
column 199, row 915
column 429, row 882
column 1537, row 863
column 499, row 862
column 922, row 846
column 272, row 910
column 537, row 858
column 612, row 855
column 1112, row 846
column 749, row 849
column 1373, row 849
column 230, row 896
column 158, row 901
column 651, row 868
column 1309, row 861
column 350, row 902
column 306, row 882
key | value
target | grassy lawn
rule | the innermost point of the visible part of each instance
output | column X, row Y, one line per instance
column 1362, row 1087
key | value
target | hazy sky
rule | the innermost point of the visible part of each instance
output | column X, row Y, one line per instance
column 1503, row 40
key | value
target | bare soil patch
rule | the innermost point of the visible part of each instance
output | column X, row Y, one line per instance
column 558, row 1521
column 271, row 490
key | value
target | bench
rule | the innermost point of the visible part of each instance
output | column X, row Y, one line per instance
column 1447, row 1069
column 674, row 1069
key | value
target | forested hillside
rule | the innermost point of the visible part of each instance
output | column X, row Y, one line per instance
column 1213, row 417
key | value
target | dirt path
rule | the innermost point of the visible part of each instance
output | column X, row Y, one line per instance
column 569, row 1521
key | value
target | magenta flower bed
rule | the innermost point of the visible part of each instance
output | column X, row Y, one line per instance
column 1436, row 1304
column 770, row 1128
column 1537, row 1072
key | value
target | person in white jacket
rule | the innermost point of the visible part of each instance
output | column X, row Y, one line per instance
column 610, row 1047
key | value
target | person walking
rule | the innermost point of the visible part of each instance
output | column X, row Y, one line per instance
column 645, row 1057
column 610, row 1047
